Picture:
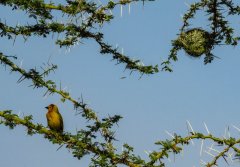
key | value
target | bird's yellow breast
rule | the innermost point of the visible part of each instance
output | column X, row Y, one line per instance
column 54, row 120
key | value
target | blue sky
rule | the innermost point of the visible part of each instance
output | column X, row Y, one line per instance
column 150, row 105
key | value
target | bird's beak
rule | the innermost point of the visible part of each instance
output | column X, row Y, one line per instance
column 46, row 107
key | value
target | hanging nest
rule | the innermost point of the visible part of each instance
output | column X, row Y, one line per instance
column 195, row 42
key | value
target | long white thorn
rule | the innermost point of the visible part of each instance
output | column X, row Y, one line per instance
column 230, row 156
column 192, row 142
column 201, row 148
column 110, row 11
column 203, row 162
column 100, row 2
column 229, row 135
column 210, row 148
column 187, row 4
column 236, row 128
column 129, row 9
column 225, row 133
column 168, row 133
column 65, row 88
column 209, row 153
column 206, row 127
column 121, row 10
column 21, row 63
column 190, row 126
column 182, row 152
column 122, row 50
column 19, row 113
column 146, row 152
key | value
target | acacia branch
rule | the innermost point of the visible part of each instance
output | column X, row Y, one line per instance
column 70, row 141
column 85, row 145
column 38, row 81
column 221, row 154
column 73, row 32
column 175, row 145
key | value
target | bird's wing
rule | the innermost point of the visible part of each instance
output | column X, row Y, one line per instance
column 61, row 122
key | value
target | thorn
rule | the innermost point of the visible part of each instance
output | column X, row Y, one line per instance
column 225, row 133
column 76, row 129
column 147, row 152
column 129, row 9
column 169, row 134
column 192, row 142
column 230, row 156
column 187, row 4
column 209, row 153
column 65, row 88
column 121, row 10
column 225, row 159
column 190, row 127
column 236, row 128
column 210, row 148
column 60, row 147
column 203, row 162
column 182, row 152
column 100, row 2
column 19, row 113
column 45, row 96
column 206, row 127
column 201, row 148
column 229, row 135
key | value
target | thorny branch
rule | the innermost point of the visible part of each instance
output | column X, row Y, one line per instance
column 74, row 32
column 81, row 144
column 38, row 81
column 88, row 17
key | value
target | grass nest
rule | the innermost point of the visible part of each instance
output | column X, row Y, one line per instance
column 195, row 42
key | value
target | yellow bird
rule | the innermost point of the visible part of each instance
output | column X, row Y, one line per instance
column 54, row 118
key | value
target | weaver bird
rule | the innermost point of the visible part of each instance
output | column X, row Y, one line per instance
column 54, row 118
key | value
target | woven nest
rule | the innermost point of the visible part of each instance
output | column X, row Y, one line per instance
column 194, row 42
